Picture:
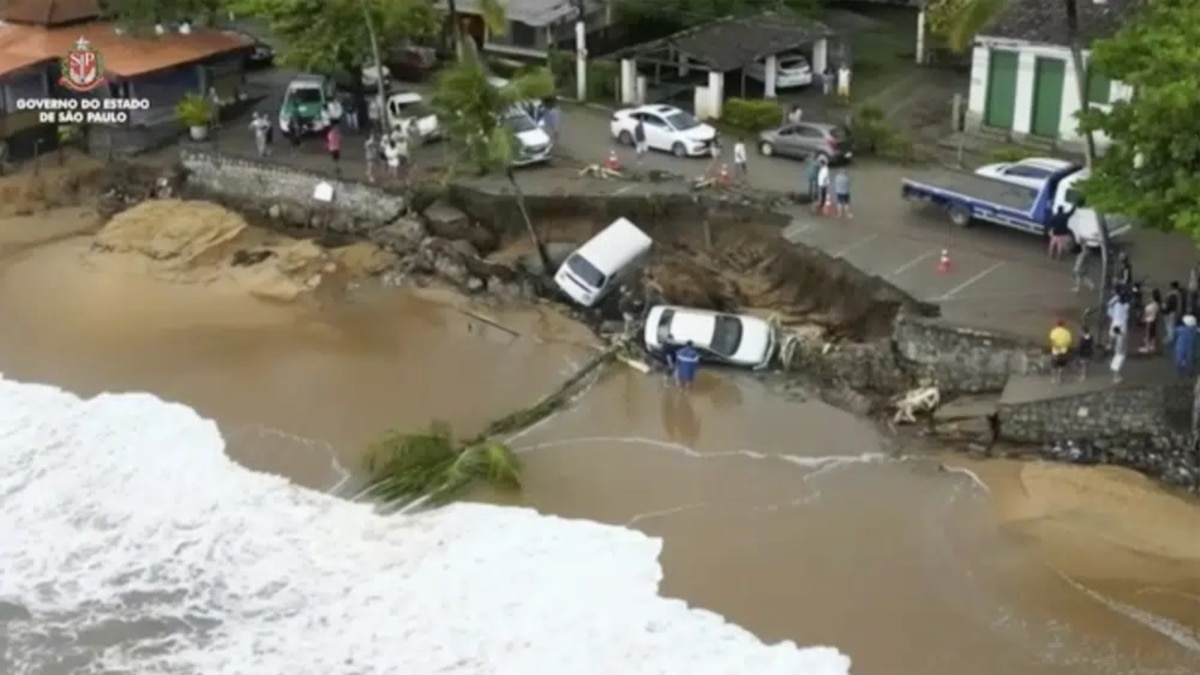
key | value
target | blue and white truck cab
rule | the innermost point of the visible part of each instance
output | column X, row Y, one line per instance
column 969, row 197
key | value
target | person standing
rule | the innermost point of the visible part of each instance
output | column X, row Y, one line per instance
column 812, row 170
column 261, row 126
column 552, row 120
column 333, row 144
column 841, row 191
column 639, row 139
column 740, row 167
column 1085, row 352
column 795, row 115
column 1059, row 229
column 825, row 199
column 1172, row 311
column 1060, row 348
column 371, row 155
column 687, row 362
column 843, row 82
column 827, row 81
column 1120, row 346
column 1184, row 348
column 1118, row 314
column 391, row 154
column 1150, row 319
column 1124, row 278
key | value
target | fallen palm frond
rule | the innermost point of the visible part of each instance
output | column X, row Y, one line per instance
column 435, row 466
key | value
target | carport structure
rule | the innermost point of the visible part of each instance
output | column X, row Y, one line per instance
column 722, row 46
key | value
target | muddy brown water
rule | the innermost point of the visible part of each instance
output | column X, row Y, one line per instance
column 784, row 515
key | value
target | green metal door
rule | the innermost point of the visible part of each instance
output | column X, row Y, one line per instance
column 1048, row 76
column 1000, row 106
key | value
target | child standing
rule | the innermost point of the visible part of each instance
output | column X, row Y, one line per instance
column 1085, row 352
column 841, row 190
column 333, row 143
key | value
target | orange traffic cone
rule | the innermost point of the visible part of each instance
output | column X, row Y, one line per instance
column 944, row 264
column 612, row 162
column 723, row 178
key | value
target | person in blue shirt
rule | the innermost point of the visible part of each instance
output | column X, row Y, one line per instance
column 687, row 362
column 1185, row 346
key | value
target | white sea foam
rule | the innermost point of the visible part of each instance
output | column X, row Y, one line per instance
column 125, row 527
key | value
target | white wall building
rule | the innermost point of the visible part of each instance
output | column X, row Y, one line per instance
column 1022, row 79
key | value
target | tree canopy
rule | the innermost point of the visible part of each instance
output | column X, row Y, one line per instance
column 1151, row 172
column 473, row 110
column 331, row 35
column 677, row 14
column 959, row 21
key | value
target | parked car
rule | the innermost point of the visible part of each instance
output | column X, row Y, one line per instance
column 732, row 339
column 311, row 101
column 667, row 128
column 1030, row 172
column 411, row 63
column 533, row 143
column 403, row 107
column 833, row 142
column 260, row 55
column 791, row 71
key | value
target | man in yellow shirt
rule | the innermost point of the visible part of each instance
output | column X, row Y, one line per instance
column 1060, row 349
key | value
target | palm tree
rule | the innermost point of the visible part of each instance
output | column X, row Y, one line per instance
column 432, row 465
column 962, row 20
column 475, row 109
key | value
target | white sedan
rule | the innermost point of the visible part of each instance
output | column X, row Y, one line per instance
column 1031, row 172
column 667, row 128
column 791, row 71
column 724, row 338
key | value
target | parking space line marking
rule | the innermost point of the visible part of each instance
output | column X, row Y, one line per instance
column 912, row 263
column 968, row 283
column 625, row 189
column 865, row 240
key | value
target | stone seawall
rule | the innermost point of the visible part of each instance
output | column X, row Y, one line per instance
column 287, row 194
column 1110, row 413
column 964, row 360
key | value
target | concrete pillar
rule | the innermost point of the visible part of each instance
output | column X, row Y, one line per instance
column 716, row 92
column 921, row 36
column 820, row 60
column 683, row 65
column 628, row 81
column 771, row 73
column 641, row 90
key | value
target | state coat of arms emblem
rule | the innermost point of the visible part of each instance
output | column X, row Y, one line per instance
column 82, row 68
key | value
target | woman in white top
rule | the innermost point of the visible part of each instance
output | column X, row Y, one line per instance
column 391, row 154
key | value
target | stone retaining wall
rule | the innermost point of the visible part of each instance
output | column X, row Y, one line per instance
column 284, row 193
column 964, row 360
column 1119, row 412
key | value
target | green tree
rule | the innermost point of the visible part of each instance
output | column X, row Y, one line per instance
column 331, row 36
column 433, row 465
column 959, row 21
column 475, row 113
column 677, row 14
column 1151, row 172
column 141, row 15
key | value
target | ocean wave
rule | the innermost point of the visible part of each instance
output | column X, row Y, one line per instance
column 131, row 542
